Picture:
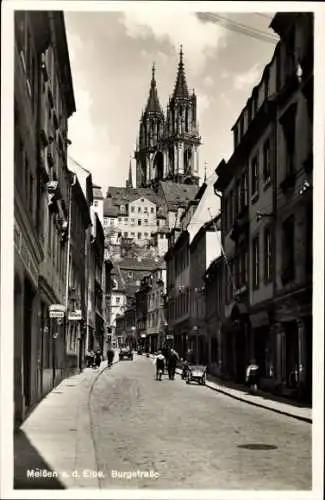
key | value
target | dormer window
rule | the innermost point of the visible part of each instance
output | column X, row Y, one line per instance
column 122, row 208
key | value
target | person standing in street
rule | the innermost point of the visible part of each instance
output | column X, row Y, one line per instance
column 252, row 376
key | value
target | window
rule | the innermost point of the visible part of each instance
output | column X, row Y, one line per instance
column 132, row 222
column 267, row 161
column 161, row 236
column 139, row 210
column 139, row 236
column 112, row 222
column 125, row 235
column 120, row 219
column 256, row 262
column 122, row 208
column 132, row 209
column 238, row 198
column 95, row 203
column 254, row 176
column 152, row 210
column 288, row 250
column 145, row 235
column 145, row 222
column 139, row 222
column 267, row 255
column 288, row 122
column 132, row 235
column 126, row 220
column 118, row 300
column 145, row 209
column 244, row 190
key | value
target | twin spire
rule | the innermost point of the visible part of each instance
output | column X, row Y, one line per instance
column 180, row 89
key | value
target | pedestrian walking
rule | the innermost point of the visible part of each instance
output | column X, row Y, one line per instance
column 110, row 357
column 252, row 376
column 171, row 363
column 159, row 361
column 98, row 358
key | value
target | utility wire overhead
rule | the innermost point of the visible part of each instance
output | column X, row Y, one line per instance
column 239, row 28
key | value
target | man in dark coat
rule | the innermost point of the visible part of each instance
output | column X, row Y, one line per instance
column 171, row 363
column 110, row 357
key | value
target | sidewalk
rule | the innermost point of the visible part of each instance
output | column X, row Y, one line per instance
column 262, row 399
column 60, row 427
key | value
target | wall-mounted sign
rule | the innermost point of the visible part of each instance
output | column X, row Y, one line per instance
column 56, row 311
column 75, row 315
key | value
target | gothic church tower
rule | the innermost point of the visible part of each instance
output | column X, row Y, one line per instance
column 151, row 129
column 167, row 149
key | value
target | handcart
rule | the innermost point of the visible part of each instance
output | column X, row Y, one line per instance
column 196, row 373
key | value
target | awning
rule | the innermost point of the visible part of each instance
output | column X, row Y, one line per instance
column 259, row 319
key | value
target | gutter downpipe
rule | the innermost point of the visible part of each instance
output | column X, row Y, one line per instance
column 68, row 266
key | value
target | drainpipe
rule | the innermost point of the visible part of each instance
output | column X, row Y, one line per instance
column 274, row 339
column 68, row 264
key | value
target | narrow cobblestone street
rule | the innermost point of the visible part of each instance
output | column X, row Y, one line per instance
column 191, row 436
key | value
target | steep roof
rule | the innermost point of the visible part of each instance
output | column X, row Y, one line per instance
column 109, row 210
column 97, row 192
column 181, row 90
column 122, row 195
column 178, row 195
column 144, row 264
column 153, row 104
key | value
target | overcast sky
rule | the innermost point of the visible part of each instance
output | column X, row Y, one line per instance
column 111, row 55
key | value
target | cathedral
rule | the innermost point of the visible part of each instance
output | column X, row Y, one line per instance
column 167, row 145
column 167, row 174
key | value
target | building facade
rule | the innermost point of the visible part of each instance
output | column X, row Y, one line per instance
column 44, row 100
column 267, row 217
column 77, row 286
column 156, row 317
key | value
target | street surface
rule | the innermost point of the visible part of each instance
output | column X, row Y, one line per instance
column 191, row 436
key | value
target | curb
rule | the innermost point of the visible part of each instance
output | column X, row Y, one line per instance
column 253, row 403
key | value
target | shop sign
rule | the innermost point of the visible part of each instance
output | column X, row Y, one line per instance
column 56, row 311
column 75, row 315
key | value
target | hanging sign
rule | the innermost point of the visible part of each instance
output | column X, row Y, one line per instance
column 56, row 311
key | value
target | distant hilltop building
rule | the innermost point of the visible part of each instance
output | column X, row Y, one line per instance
column 138, row 219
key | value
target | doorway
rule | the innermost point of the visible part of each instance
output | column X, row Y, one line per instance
column 27, row 340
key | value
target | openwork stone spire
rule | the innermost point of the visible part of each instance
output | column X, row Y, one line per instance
column 181, row 90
